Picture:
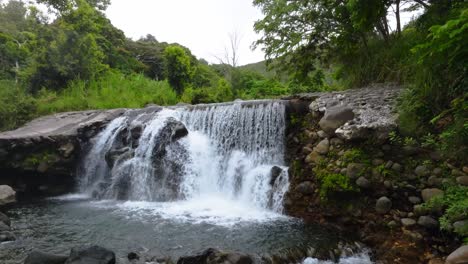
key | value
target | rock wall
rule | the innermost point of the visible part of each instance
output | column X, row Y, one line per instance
column 345, row 171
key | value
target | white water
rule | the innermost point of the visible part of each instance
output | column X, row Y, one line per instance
column 219, row 173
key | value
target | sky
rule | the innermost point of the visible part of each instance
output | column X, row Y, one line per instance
column 203, row 26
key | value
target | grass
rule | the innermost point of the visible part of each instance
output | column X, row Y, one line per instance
column 113, row 90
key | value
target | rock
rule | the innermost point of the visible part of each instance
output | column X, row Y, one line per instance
column 7, row 195
column 459, row 256
column 6, row 236
column 428, row 222
column 462, row 180
column 419, row 210
column 393, row 224
column 67, row 149
column 457, row 172
column 305, row 188
column 465, row 169
column 91, row 255
column 5, row 219
column 377, row 162
column 437, row 171
column 408, row 222
column 397, row 167
column 275, row 172
column 37, row 257
column 322, row 147
column 383, row 205
column 354, row 170
column 133, row 256
column 388, row 184
column 363, row 182
column 4, row 227
column 322, row 134
column 428, row 194
column 422, row 171
column 389, row 164
column 434, row 181
column 336, row 142
column 313, row 157
column 436, row 261
column 334, row 118
column 214, row 256
column 414, row 200
column 43, row 167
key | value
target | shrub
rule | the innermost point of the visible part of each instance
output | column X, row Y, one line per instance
column 332, row 183
column 16, row 106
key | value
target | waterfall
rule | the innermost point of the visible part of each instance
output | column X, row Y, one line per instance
column 234, row 151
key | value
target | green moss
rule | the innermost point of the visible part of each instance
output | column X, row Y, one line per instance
column 332, row 183
column 35, row 159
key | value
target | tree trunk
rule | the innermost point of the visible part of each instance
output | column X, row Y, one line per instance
column 397, row 14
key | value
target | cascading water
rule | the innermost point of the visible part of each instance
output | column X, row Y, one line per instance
column 232, row 152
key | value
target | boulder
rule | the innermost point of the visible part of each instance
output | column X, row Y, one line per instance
column 462, row 180
column 428, row 194
column 414, row 200
column 214, row 256
column 363, row 183
column 460, row 225
column 428, row 222
column 313, row 157
column 422, row 171
column 5, row 219
column 322, row 147
column 305, row 188
column 459, row 256
column 274, row 174
column 335, row 117
column 4, row 227
column 91, row 255
column 37, row 257
column 397, row 167
column 7, row 195
column 383, row 205
column 408, row 222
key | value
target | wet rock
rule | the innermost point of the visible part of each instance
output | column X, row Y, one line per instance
column 459, row 256
column 6, row 236
column 422, row 171
column 428, row 222
column 274, row 174
column 335, row 117
column 91, row 255
column 7, row 195
column 214, row 256
column 462, row 180
column 133, row 256
column 4, row 227
column 354, row 170
column 305, row 188
column 5, row 219
column 428, row 194
column 363, row 183
column 383, row 205
column 323, row 147
column 37, row 257
column 408, row 222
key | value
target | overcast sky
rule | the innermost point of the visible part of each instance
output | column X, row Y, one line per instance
column 203, row 25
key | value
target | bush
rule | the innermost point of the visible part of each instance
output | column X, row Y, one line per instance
column 455, row 203
column 114, row 90
column 332, row 183
column 16, row 106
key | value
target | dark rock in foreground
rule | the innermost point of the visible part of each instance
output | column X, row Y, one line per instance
column 37, row 257
column 91, row 255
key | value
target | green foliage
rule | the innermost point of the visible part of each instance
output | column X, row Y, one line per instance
column 114, row 90
column 355, row 155
column 455, row 205
column 16, row 106
column 332, row 183
column 179, row 68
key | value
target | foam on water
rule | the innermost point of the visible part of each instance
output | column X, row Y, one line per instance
column 362, row 258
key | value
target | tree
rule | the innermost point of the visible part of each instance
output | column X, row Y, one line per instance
column 179, row 67
column 65, row 6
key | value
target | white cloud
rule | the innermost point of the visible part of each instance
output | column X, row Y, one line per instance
column 203, row 26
